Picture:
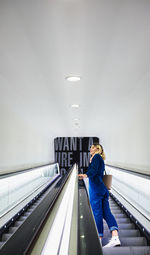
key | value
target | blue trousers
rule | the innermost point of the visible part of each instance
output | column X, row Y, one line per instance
column 101, row 210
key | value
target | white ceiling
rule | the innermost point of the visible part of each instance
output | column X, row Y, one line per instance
column 106, row 42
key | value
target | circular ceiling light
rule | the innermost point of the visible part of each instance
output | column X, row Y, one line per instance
column 75, row 105
column 73, row 78
column 76, row 124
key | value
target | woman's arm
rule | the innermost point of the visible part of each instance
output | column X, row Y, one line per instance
column 91, row 170
column 94, row 166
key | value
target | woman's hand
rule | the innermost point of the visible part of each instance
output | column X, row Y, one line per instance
column 81, row 176
column 91, row 158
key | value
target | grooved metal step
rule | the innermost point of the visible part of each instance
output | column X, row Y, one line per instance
column 18, row 223
column 12, row 229
column 123, row 220
column 1, row 243
column 123, row 226
column 120, row 215
column 5, row 237
column 116, row 211
column 22, row 218
column 26, row 214
column 115, row 207
column 136, row 250
column 124, row 233
column 128, row 241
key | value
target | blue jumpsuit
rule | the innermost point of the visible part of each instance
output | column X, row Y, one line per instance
column 99, row 195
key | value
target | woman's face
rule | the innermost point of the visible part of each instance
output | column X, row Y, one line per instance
column 93, row 149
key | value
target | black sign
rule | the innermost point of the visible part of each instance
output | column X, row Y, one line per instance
column 70, row 150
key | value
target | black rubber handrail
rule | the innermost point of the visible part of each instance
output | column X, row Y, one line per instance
column 88, row 240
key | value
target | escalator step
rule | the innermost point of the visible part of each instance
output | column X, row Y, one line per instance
column 120, row 215
column 123, row 226
column 33, row 207
column 117, row 211
column 123, row 220
column 115, row 207
column 128, row 241
column 139, row 250
column 18, row 223
column 26, row 214
column 5, row 237
column 1, row 243
column 30, row 210
column 12, row 229
column 22, row 218
column 124, row 233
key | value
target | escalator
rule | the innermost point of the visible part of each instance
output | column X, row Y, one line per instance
column 23, row 233
column 19, row 231
column 135, row 239
column 43, row 224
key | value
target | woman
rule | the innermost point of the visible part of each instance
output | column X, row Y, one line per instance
column 99, row 194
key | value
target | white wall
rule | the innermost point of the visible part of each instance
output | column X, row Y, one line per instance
column 26, row 139
column 127, row 139
column 26, row 134
column 23, row 144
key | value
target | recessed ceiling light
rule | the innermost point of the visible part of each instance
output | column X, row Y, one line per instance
column 75, row 105
column 73, row 78
column 76, row 119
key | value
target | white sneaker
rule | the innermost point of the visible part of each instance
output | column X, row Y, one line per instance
column 114, row 241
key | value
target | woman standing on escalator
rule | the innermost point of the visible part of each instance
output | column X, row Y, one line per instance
column 99, row 194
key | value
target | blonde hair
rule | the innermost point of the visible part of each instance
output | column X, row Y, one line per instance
column 100, row 151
